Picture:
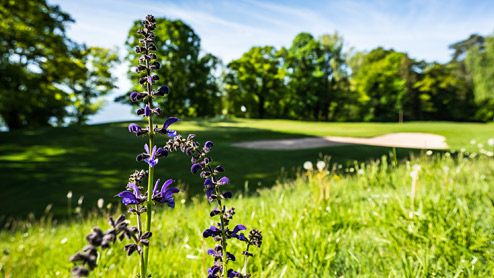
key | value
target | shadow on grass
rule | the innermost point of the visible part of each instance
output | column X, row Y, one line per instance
column 38, row 167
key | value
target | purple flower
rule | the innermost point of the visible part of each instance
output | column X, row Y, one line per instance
column 209, row 186
column 165, row 130
column 195, row 168
column 151, row 160
column 147, row 111
column 227, row 195
column 232, row 274
column 134, row 96
column 131, row 198
column 223, row 181
column 161, row 152
column 134, row 128
column 213, row 271
column 166, row 194
column 214, row 212
column 137, row 129
column 240, row 236
column 212, row 231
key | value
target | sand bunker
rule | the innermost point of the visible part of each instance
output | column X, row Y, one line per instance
column 398, row 140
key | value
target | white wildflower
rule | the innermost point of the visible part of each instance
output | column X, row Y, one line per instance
column 308, row 165
column 320, row 165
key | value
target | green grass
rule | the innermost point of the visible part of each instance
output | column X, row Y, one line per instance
column 364, row 229
column 38, row 167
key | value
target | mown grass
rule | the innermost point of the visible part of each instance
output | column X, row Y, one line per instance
column 363, row 229
column 40, row 166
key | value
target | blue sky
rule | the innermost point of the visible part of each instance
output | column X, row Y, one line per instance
column 423, row 28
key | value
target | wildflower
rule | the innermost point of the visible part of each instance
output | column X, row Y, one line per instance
column 240, row 236
column 101, row 202
column 320, row 165
column 308, row 165
column 165, row 130
column 209, row 187
column 166, row 194
column 490, row 142
column 429, row 152
column 473, row 142
column 212, row 231
column 151, row 160
column 131, row 198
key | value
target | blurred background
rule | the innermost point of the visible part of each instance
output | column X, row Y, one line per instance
column 308, row 68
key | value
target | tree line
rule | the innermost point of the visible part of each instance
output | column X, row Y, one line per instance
column 48, row 79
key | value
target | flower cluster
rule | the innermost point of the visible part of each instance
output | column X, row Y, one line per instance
column 213, row 189
column 97, row 238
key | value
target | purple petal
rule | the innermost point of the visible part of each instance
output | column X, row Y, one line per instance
column 227, row 195
column 151, row 163
column 169, row 192
column 134, row 187
column 155, row 190
column 134, row 128
column 165, row 185
column 169, row 121
column 153, row 153
column 239, row 228
column 147, row 111
column 208, row 144
column 211, row 252
column 195, row 167
column 208, row 183
column 146, row 147
column 171, row 133
column 209, row 192
column 128, row 198
column 223, row 181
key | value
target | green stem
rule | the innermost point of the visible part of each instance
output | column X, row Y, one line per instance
column 151, row 171
column 141, row 255
column 223, row 234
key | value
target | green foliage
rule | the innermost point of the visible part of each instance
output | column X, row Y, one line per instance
column 316, row 77
column 255, row 82
column 363, row 229
column 91, row 80
column 188, row 74
column 34, row 55
column 480, row 62
column 46, row 78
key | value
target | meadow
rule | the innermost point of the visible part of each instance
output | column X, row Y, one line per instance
column 42, row 165
column 362, row 225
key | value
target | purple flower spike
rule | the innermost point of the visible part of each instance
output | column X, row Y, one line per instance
column 223, row 181
column 151, row 160
column 147, row 111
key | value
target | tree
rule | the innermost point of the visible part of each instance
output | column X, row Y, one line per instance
column 480, row 63
column 193, row 89
column 253, row 81
column 91, row 80
column 34, row 58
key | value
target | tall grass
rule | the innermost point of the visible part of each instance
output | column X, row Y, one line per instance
column 362, row 228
